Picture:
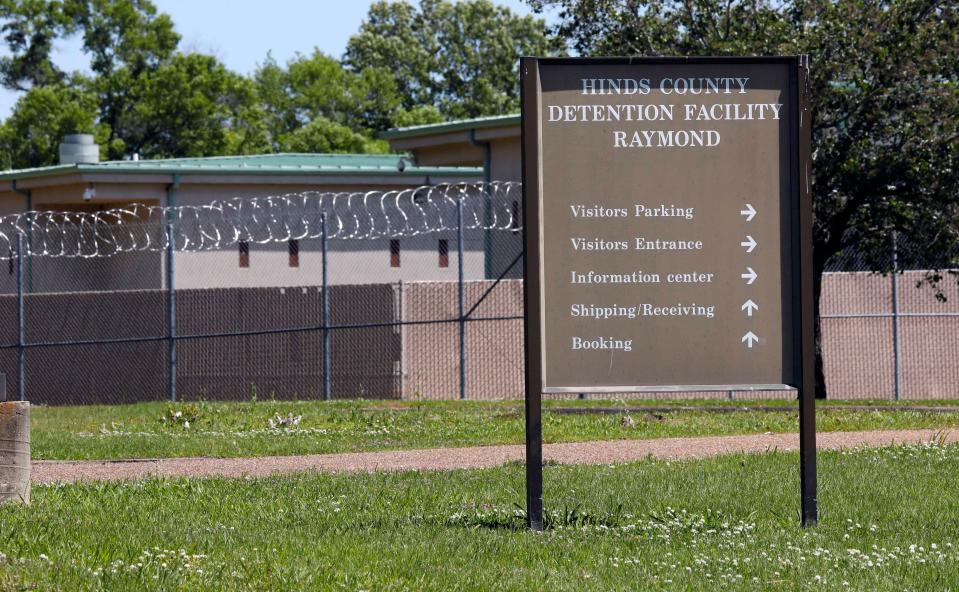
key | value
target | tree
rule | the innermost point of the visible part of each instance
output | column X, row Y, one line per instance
column 321, row 87
column 147, row 97
column 272, row 84
column 421, row 115
column 128, row 41
column 125, row 34
column 460, row 57
column 324, row 136
column 31, row 136
column 315, row 101
column 192, row 106
column 29, row 29
column 885, row 92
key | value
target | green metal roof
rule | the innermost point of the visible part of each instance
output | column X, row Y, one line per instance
column 256, row 164
column 451, row 126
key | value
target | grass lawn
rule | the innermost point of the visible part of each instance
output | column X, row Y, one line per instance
column 889, row 521
column 153, row 430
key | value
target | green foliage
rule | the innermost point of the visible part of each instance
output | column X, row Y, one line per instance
column 41, row 118
column 321, row 87
column 407, row 66
column 144, row 97
column 324, row 136
column 192, row 106
column 420, row 115
column 316, row 91
column 160, row 103
column 29, row 29
column 183, row 415
column 125, row 35
column 460, row 57
column 273, row 92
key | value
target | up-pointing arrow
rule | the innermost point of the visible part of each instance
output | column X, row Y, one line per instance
column 749, row 212
column 750, row 275
column 749, row 339
column 750, row 243
column 749, row 306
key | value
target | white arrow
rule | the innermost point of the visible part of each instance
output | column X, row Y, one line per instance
column 749, row 212
column 750, row 243
column 749, row 306
column 749, row 339
column 750, row 275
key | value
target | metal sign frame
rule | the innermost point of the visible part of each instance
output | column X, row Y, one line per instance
column 800, row 254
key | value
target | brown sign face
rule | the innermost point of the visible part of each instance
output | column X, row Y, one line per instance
column 662, row 223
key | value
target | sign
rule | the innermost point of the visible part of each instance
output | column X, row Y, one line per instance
column 668, row 225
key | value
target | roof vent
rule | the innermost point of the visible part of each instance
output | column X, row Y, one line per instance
column 79, row 149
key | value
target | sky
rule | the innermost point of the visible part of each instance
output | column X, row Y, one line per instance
column 241, row 32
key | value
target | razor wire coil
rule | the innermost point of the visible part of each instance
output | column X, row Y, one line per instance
column 260, row 220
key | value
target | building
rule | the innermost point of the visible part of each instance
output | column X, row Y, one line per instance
column 492, row 143
column 81, row 184
column 246, row 315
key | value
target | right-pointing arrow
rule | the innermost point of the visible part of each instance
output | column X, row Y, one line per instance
column 749, row 339
column 749, row 212
column 749, row 306
column 750, row 275
column 750, row 243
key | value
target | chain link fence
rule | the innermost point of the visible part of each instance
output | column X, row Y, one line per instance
column 895, row 334
column 412, row 294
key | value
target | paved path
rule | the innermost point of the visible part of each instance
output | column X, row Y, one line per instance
column 475, row 457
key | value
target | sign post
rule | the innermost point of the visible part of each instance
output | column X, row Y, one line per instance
column 668, row 240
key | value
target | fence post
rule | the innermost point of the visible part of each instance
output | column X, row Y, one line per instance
column 171, row 314
column 401, row 318
column 896, row 342
column 325, row 299
column 461, row 293
column 21, row 325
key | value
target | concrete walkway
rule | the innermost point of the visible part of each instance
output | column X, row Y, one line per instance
column 475, row 457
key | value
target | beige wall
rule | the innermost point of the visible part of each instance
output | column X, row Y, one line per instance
column 350, row 262
column 506, row 160
column 505, row 152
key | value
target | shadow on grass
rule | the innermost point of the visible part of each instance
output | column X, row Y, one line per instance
column 514, row 519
